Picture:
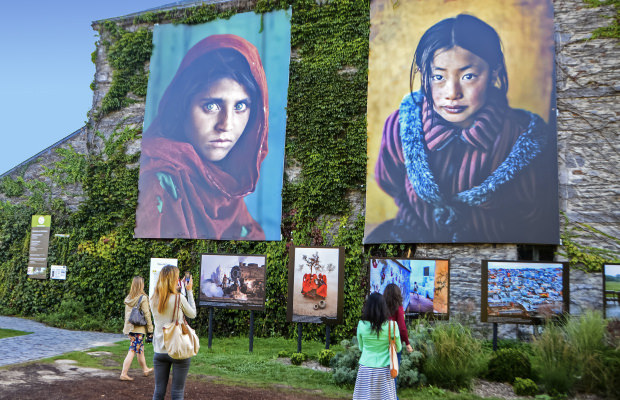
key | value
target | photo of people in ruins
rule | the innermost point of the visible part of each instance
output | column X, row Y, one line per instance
column 232, row 281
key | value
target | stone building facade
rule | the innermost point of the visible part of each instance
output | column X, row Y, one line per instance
column 588, row 124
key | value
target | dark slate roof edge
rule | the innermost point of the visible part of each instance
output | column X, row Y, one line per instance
column 165, row 7
column 39, row 154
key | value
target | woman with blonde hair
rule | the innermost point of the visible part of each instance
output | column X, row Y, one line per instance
column 163, row 304
column 136, row 332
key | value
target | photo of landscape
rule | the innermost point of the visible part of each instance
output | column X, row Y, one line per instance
column 522, row 292
column 611, row 277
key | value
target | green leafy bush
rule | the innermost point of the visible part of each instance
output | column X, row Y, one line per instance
column 507, row 364
column 410, row 373
column 298, row 358
column 10, row 187
column 453, row 358
column 283, row 354
column 325, row 356
column 525, row 387
column 345, row 363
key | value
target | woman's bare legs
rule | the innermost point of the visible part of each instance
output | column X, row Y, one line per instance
column 127, row 364
column 142, row 361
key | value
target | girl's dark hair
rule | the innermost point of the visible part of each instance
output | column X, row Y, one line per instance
column 469, row 33
column 393, row 298
column 202, row 73
column 375, row 311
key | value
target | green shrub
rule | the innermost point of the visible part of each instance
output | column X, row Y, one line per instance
column 525, row 387
column 298, row 358
column 283, row 354
column 555, row 360
column 507, row 364
column 325, row 356
column 586, row 336
column 345, row 363
column 577, row 356
column 410, row 374
column 453, row 358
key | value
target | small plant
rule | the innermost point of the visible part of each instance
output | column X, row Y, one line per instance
column 410, row 374
column 555, row 360
column 525, row 387
column 298, row 358
column 345, row 363
column 325, row 356
column 453, row 359
column 507, row 364
column 283, row 354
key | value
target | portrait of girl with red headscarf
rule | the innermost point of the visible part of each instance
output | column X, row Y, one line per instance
column 202, row 153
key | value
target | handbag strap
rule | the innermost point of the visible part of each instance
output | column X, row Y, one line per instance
column 390, row 338
column 176, row 307
column 139, row 300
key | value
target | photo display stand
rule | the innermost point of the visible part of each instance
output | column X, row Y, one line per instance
column 235, row 282
column 523, row 292
column 315, row 287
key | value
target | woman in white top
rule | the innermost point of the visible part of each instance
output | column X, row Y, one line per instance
column 162, row 306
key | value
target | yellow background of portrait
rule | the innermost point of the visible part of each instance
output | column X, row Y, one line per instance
column 525, row 28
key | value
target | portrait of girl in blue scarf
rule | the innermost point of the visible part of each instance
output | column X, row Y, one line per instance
column 461, row 165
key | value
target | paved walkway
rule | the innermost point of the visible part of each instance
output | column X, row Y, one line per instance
column 45, row 341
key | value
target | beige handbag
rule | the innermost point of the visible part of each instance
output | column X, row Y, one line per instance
column 393, row 353
column 179, row 338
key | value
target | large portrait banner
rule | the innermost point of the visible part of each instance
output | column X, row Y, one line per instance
column 212, row 156
column 462, row 142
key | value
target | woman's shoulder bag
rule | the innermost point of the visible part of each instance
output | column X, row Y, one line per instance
column 180, row 339
column 392, row 349
column 136, row 317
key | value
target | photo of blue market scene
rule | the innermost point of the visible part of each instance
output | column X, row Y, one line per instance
column 521, row 292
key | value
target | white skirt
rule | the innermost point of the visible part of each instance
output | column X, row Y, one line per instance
column 374, row 384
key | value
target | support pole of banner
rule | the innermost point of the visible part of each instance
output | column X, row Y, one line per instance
column 251, row 330
column 299, row 337
column 327, row 329
column 494, row 336
column 210, row 326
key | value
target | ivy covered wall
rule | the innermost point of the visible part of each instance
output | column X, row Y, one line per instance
column 323, row 195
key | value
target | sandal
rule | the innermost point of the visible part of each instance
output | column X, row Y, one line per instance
column 126, row 378
column 148, row 372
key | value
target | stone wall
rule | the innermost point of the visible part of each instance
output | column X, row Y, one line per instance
column 588, row 128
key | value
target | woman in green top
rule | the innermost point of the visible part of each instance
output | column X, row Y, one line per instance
column 373, row 377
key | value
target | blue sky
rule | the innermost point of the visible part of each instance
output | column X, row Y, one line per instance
column 46, row 71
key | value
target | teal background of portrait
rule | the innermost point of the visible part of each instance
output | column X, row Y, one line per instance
column 273, row 43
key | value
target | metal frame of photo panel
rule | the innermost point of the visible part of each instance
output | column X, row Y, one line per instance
column 432, row 315
column 617, row 299
column 529, row 320
column 290, row 316
column 232, row 304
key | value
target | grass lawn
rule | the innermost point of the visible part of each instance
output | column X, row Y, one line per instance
column 612, row 285
column 230, row 360
column 5, row 333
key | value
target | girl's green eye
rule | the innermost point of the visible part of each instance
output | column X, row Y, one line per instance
column 468, row 77
column 436, row 77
